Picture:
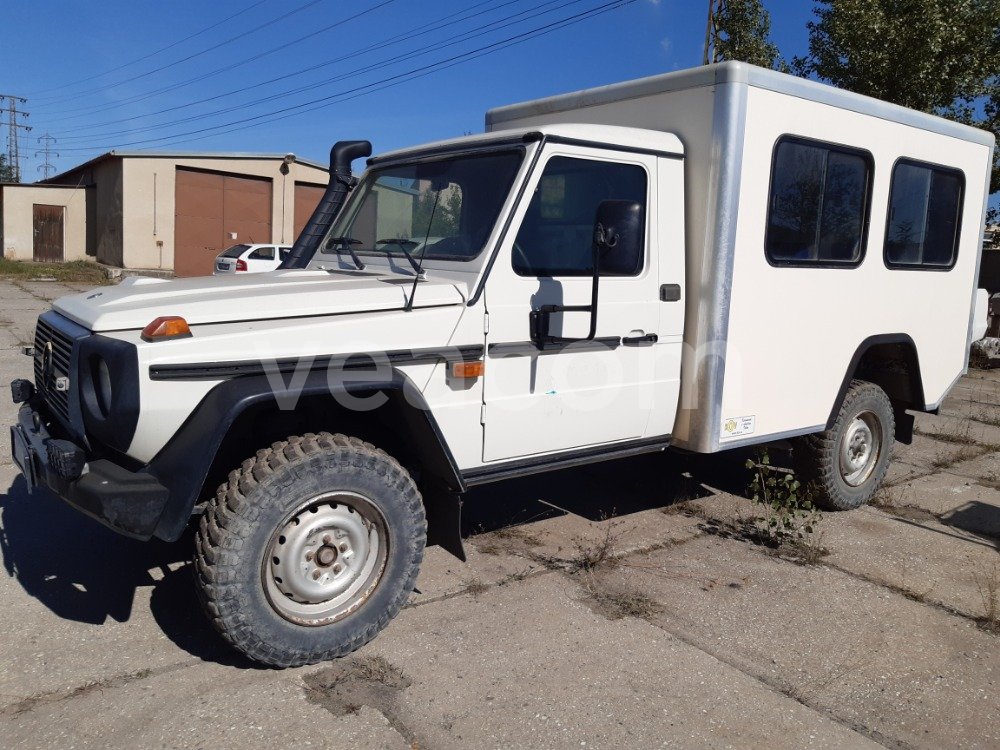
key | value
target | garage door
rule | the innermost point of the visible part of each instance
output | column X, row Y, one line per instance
column 306, row 199
column 214, row 211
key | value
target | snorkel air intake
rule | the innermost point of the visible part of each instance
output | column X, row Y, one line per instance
column 341, row 183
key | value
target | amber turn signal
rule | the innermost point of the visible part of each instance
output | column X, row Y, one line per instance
column 468, row 369
column 166, row 327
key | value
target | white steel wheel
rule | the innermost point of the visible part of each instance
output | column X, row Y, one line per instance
column 326, row 560
column 860, row 448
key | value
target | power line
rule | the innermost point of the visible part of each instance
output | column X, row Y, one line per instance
column 154, row 53
column 47, row 168
column 83, row 111
column 13, row 132
column 412, row 53
column 404, row 36
column 192, row 56
column 388, row 82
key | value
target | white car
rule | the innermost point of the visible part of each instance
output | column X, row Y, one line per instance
column 250, row 259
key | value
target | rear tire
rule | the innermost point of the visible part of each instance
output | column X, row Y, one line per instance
column 846, row 464
column 309, row 549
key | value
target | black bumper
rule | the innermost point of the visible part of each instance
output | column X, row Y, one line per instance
column 129, row 502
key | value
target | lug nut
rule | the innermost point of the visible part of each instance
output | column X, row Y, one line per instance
column 316, row 575
column 343, row 546
column 327, row 539
column 309, row 556
column 337, row 568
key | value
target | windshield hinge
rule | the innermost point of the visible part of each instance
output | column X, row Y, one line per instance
column 486, row 322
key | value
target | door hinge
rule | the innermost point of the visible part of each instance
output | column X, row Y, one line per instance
column 482, row 415
column 486, row 322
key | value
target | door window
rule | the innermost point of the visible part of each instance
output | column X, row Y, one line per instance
column 262, row 253
column 557, row 234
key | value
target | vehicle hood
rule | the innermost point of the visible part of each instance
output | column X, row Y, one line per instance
column 262, row 296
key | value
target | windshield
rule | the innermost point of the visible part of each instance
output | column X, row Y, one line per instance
column 235, row 251
column 438, row 210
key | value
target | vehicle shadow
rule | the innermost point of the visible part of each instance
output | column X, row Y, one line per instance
column 84, row 572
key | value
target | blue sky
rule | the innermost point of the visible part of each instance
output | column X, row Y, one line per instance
column 78, row 65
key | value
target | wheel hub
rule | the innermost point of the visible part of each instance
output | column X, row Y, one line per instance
column 860, row 447
column 326, row 559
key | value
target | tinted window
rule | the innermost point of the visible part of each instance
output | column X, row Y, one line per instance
column 557, row 233
column 925, row 211
column 235, row 251
column 262, row 253
column 818, row 205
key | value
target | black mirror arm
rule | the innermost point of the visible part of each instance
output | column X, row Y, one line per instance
column 539, row 319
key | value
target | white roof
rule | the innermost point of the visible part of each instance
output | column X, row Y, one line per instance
column 604, row 135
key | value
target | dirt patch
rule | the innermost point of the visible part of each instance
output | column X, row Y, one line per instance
column 616, row 600
column 346, row 686
column 506, row 541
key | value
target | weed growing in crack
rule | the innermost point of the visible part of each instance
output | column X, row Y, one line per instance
column 791, row 517
column 593, row 555
column 988, row 583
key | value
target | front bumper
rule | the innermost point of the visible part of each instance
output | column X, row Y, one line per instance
column 129, row 502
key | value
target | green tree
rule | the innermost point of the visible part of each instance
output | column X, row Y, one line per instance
column 741, row 30
column 7, row 172
column 938, row 56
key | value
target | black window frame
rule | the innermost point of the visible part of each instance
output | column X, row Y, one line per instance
column 841, row 148
column 906, row 160
column 643, row 253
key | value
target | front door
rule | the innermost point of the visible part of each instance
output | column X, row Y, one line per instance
column 587, row 393
column 47, row 244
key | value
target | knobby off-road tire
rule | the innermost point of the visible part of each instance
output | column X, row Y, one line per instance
column 309, row 549
column 846, row 464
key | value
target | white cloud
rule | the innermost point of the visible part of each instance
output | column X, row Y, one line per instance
column 667, row 45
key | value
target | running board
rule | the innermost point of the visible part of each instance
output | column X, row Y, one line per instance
column 566, row 460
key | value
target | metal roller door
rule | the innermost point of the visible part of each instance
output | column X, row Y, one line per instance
column 214, row 211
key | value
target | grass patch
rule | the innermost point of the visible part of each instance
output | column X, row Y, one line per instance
column 80, row 271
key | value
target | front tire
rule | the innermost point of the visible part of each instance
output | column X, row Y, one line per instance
column 846, row 464
column 309, row 549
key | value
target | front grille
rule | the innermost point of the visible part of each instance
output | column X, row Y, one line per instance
column 60, row 352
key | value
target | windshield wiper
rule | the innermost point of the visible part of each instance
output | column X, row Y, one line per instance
column 405, row 246
column 345, row 243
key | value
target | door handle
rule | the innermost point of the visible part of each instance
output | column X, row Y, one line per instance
column 646, row 338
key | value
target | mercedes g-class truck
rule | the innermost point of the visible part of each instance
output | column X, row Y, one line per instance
column 703, row 260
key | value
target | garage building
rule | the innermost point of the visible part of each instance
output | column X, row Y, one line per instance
column 169, row 211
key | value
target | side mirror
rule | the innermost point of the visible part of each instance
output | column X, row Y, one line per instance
column 617, row 251
column 618, row 237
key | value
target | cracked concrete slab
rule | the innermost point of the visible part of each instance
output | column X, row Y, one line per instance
column 901, row 672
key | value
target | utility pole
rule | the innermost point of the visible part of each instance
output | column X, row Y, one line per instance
column 716, row 10
column 13, row 132
column 47, row 167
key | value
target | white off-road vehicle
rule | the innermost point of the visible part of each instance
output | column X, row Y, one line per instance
column 707, row 259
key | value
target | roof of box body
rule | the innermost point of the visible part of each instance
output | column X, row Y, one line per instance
column 737, row 72
column 605, row 135
column 180, row 155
